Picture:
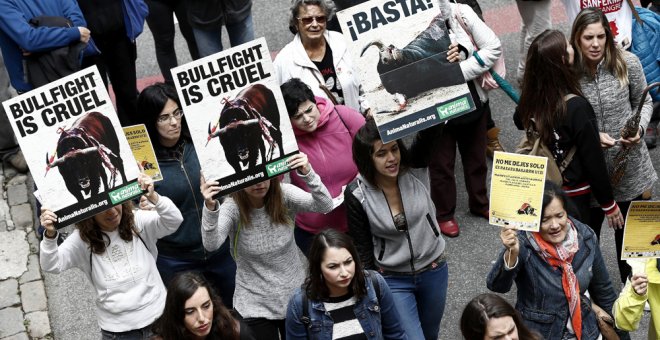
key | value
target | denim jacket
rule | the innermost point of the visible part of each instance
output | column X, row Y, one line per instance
column 379, row 318
column 541, row 300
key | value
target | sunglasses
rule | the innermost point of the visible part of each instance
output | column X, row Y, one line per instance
column 308, row 20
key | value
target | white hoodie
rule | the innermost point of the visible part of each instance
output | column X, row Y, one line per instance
column 130, row 292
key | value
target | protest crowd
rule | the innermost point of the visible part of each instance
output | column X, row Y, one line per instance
column 350, row 244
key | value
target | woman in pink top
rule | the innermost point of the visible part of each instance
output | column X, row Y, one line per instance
column 324, row 132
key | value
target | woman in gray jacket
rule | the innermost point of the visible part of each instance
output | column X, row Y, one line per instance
column 612, row 81
column 399, row 238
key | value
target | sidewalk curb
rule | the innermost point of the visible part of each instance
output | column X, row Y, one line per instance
column 23, row 300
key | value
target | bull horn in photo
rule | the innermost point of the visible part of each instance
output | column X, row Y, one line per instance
column 52, row 162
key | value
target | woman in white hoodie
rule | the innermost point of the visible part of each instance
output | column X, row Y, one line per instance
column 116, row 249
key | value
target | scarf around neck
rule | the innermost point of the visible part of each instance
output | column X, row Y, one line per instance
column 561, row 256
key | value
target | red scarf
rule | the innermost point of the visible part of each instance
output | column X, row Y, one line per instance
column 561, row 255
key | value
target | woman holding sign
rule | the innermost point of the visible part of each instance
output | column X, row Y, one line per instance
column 324, row 132
column 552, row 106
column 390, row 217
column 612, row 80
column 177, row 159
column 116, row 251
column 319, row 57
column 259, row 223
column 553, row 269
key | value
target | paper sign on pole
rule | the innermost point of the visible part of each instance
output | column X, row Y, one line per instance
column 516, row 191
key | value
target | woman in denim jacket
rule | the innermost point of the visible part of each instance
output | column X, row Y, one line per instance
column 553, row 269
column 337, row 292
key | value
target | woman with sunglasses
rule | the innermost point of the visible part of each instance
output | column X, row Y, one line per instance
column 183, row 250
column 314, row 49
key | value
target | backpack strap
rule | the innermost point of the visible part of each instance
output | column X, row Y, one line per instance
column 374, row 283
column 305, row 314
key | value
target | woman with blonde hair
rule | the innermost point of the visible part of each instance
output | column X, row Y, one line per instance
column 259, row 223
column 612, row 80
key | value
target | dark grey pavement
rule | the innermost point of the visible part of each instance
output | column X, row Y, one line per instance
column 71, row 299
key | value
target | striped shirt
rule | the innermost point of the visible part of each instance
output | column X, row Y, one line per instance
column 346, row 325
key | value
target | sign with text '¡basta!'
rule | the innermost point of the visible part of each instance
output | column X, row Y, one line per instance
column 399, row 52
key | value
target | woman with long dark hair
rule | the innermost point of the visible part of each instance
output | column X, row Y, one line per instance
column 391, row 220
column 490, row 317
column 612, row 80
column 179, row 165
column 116, row 250
column 340, row 297
column 552, row 107
column 193, row 310
column 259, row 223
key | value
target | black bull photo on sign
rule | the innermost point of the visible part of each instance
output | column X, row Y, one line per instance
column 246, row 124
column 83, row 153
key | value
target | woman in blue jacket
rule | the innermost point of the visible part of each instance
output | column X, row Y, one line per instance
column 183, row 250
column 553, row 269
column 338, row 296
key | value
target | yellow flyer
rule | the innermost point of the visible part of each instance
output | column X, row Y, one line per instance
column 641, row 235
column 516, row 191
column 143, row 151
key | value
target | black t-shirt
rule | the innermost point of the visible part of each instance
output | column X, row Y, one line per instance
column 327, row 69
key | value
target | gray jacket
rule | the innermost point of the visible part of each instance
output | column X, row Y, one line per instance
column 613, row 106
column 379, row 243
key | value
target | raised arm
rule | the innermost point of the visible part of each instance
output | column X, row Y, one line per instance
column 217, row 219
column 318, row 198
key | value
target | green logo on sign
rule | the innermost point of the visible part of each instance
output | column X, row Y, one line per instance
column 124, row 193
column 277, row 167
column 453, row 108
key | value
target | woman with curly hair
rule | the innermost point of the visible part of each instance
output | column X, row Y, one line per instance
column 116, row 250
column 193, row 310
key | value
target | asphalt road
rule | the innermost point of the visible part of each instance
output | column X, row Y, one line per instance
column 470, row 256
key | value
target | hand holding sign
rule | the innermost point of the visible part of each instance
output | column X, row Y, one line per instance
column 299, row 161
column 147, row 183
column 509, row 238
column 48, row 219
column 209, row 189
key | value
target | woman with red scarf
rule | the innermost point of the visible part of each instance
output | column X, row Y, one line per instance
column 553, row 269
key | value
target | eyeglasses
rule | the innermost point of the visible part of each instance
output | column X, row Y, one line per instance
column 177, row 114
column 308, row 20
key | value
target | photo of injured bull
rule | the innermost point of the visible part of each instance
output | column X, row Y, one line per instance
column 74, row 145
column 236, row 115
column 400, row 51
column 248, row 128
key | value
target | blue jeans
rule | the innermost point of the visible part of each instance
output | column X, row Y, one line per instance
column 209, row 40
column 219, row 269
column 420, row 300
column 136, row 334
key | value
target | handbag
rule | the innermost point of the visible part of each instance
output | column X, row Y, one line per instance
column 486, row 80
column 605, row 323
